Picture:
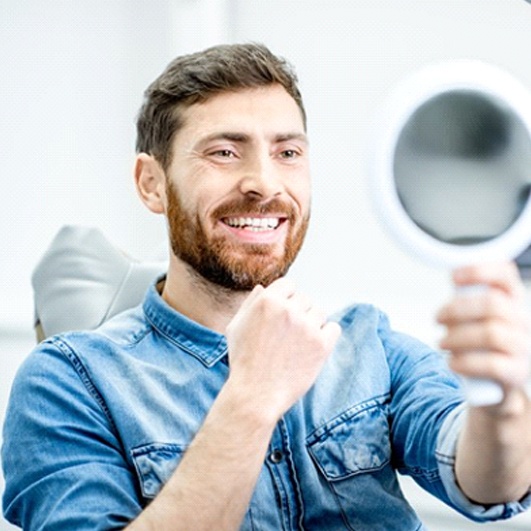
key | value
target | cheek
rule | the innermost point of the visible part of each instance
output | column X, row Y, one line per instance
column 190, row 200
column 201, row 209
column 301, row 194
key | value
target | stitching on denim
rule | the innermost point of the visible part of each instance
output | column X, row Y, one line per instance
column 324, row 429
column 85, row 378
column 148, row 448
column 444, row 458
column 177, row 342
column 135, row 338
column 432, row 475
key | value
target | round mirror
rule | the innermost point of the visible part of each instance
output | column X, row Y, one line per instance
column 451, row 172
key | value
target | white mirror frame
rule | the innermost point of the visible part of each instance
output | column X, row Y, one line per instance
column 426, row 84
column 421, row 87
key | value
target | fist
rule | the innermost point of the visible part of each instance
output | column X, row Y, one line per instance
column 488, row 331
column 278, row 342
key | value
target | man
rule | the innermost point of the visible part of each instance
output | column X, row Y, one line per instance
column 227, row 400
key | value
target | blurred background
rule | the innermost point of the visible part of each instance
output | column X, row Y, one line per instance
column 72, row 78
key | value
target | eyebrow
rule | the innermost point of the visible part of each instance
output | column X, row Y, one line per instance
column 292, row 136
column 245, row 138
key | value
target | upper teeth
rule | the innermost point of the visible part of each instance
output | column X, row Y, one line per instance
column 254, row 223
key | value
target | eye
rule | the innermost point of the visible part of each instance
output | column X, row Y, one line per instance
column 224, row 153
column 288, row 154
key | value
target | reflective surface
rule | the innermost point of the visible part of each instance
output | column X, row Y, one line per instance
column 461, row 165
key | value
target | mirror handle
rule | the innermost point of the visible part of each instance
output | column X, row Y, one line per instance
column 479, row 391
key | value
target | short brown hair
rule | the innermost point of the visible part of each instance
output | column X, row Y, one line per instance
column 193, row 78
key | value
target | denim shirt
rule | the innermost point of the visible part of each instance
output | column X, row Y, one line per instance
column 98, row 421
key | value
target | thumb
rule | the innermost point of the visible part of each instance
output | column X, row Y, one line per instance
column 332, row 332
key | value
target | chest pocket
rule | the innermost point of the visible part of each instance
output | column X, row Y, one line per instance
column 155, row 463
column 353, row 456
column 353, row 443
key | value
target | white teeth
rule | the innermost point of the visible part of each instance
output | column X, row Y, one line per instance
column 254, row 224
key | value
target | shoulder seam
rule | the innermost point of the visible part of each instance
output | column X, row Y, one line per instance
column 84, row 376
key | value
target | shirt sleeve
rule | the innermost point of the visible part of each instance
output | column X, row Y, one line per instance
column 446, row 451
column 63, row 464
column 427, row 405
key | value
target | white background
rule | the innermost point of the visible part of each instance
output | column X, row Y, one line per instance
column 72, row 73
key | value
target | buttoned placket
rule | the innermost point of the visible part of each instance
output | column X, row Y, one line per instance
column 287, row 492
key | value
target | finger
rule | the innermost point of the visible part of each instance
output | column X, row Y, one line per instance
column 316, row 317
column 491, row 304
column 504, row 276
column 283, row 287
column 491, row 336
column 492, row 366
column 300, row 302
column 255, row 293
column 331, row 333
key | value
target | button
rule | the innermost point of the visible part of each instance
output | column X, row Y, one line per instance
column 276, row 457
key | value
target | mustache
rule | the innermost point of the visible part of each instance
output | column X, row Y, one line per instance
column 246, row 206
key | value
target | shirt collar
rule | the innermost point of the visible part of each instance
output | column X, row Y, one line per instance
column 203, row 343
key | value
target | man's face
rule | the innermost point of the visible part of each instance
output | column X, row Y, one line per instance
column 238, row 197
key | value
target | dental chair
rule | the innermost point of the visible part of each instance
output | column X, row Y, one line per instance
column 82, row 280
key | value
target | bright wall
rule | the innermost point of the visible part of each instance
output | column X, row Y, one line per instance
column 72, row 80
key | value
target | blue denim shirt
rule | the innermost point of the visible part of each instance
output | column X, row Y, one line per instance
column 98, row 421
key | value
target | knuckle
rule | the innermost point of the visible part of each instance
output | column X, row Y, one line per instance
column 493, row 334
column 266, row 302
column 494, row 302
column 522, row 346
column 229, row 328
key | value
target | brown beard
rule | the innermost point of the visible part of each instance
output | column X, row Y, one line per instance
column 230, row 265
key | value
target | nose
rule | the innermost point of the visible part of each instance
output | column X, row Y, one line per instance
column 260, row 179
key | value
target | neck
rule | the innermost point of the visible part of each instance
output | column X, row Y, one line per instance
column 198, row 299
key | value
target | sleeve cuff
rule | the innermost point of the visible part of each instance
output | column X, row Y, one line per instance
column 445, row 453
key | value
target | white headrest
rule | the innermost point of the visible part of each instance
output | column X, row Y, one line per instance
column 82, row 280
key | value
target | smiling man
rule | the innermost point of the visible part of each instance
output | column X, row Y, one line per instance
column 227, row 400
column 238, row 187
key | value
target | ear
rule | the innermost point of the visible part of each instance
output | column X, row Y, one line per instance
column 150, row 183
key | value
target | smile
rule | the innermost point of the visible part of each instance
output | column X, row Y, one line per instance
column 253, row 224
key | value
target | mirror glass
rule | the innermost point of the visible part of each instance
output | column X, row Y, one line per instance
column 450, row 166
column 461, row 165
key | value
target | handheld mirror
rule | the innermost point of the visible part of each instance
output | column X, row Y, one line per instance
column 451, row 171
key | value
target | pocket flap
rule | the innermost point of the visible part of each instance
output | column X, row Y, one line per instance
column 355, row 442
column 155, row 463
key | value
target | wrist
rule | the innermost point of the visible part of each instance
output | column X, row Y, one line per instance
column 515, row 405
column 248, row 406
column 507, row 422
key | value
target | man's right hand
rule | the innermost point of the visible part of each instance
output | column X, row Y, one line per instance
column 278, row 343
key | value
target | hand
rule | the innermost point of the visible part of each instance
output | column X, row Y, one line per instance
column 488, row 333
column 278, row 342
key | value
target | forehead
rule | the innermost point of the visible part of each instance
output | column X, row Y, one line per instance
column 269, row 107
